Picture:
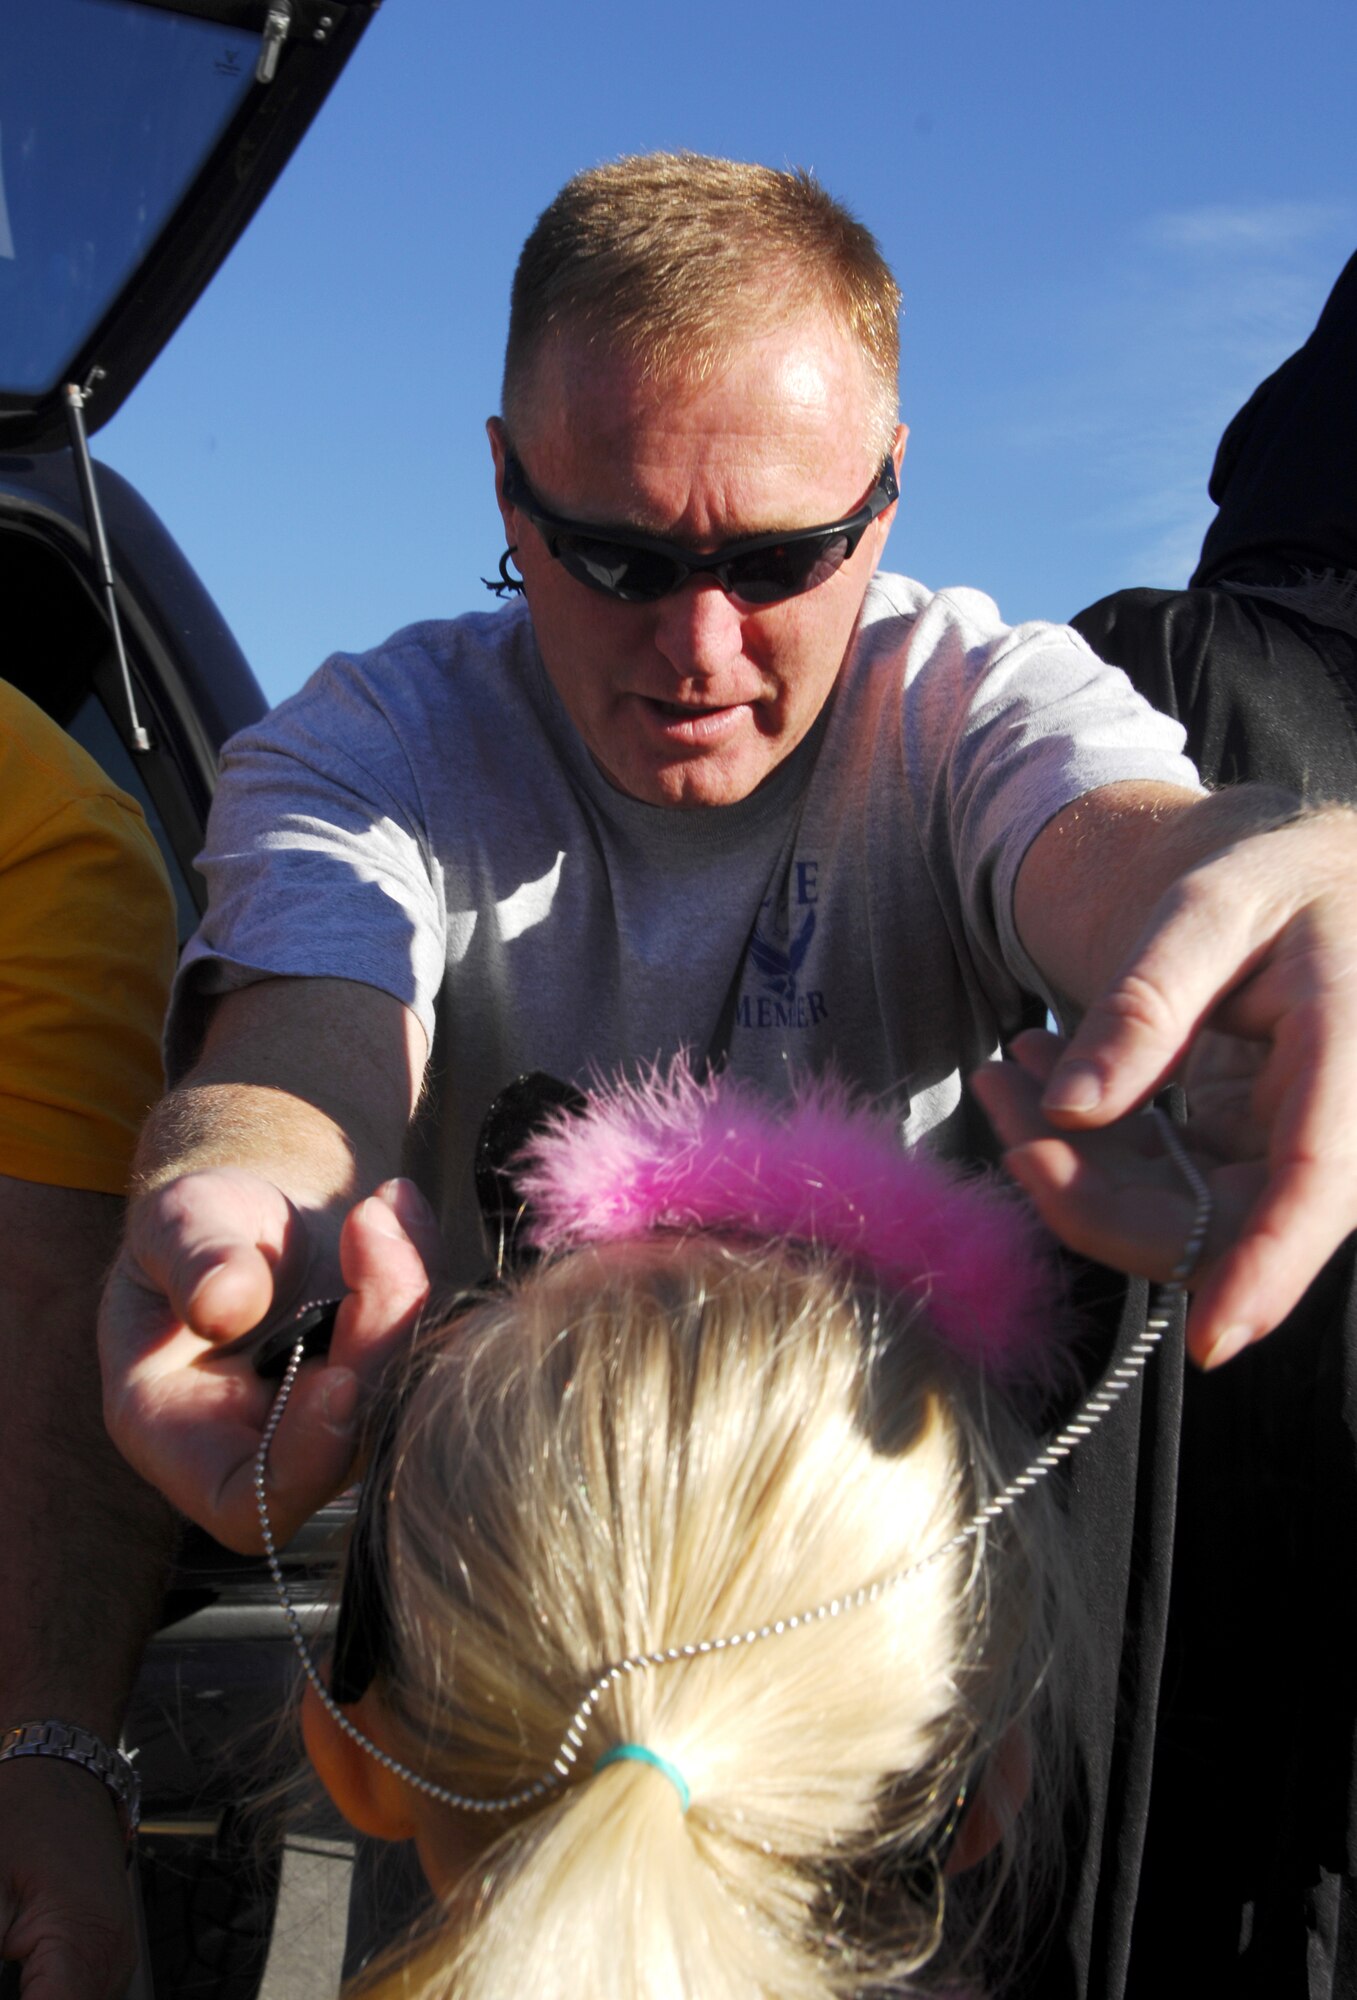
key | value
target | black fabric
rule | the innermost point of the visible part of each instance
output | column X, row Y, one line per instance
column 1263, row 694
column 1249, row 1885
column 1248, row 1879
column 1121, row 1491
column 1248, row 1882
column 1284, row 478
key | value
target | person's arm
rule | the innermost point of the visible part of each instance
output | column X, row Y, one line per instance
column 83, row 1558
column 1168, row 920
column 1092, row 880
column 86, row 955
column 245, row 1175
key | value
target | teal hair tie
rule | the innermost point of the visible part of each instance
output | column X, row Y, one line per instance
column 636, row 1753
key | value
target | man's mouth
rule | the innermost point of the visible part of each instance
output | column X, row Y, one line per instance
column 687, row 711
column 687, row 727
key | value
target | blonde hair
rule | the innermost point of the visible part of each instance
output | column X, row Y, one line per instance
column 649, row 1444
column 670, row 260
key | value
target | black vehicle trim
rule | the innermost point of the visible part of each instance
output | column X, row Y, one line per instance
column 208, row 221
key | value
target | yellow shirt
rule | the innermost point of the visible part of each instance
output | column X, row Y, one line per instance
column 86, row 955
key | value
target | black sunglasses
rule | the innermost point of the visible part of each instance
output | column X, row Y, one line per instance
column 758, row 569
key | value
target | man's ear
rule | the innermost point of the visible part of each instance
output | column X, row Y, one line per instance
column 881, row 527
column 499, row 451
column 371, row 1798
column 1002, row 1792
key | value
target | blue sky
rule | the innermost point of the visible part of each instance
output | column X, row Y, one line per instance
column 1108, row 220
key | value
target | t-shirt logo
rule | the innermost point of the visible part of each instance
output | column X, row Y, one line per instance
column 781, row 939
column 779, row 967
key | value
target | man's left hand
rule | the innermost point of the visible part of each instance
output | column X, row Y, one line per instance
column 1250, row 959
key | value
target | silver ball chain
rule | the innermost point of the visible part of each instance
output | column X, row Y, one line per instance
column 1085, row 1420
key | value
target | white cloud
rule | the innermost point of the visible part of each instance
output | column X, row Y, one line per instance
column 6, row 235
column 1191, row 310
column 1269, row 227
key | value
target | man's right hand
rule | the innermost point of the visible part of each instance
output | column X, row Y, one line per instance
column 206, row 1258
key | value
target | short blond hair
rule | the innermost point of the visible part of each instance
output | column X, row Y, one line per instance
column 650, row 1443
column 669, row 260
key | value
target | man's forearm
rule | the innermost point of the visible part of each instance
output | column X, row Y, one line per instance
column 86, row 1543
column 296, row 1109
column 1092, row 878
column 307, row 1082
column 252, row 1180
column 260, row 1129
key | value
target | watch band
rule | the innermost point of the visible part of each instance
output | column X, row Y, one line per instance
column 74, row 1745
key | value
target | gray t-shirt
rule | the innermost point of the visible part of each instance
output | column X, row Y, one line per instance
column 425, row 819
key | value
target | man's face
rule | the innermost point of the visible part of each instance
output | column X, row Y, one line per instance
column 693, row 700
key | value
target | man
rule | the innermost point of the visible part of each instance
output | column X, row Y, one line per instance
column 86, row 953
column 714, row 784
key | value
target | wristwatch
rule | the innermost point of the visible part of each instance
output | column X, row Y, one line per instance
column 74, row 1745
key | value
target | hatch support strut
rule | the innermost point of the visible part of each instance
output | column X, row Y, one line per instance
column 74, row 398
column 276, row 26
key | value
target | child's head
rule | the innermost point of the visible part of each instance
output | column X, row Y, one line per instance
column 701, row 1605
column 657, row 1443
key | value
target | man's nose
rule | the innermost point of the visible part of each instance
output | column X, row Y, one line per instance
column 699, row 629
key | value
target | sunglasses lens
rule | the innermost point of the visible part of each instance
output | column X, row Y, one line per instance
column 767, row 576
column 763, row 576
column 637, row 576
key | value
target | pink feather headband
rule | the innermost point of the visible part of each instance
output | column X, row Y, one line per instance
column 676, row 1153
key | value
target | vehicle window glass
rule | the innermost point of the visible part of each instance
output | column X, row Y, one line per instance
column 107, row 110
column 93, row 731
